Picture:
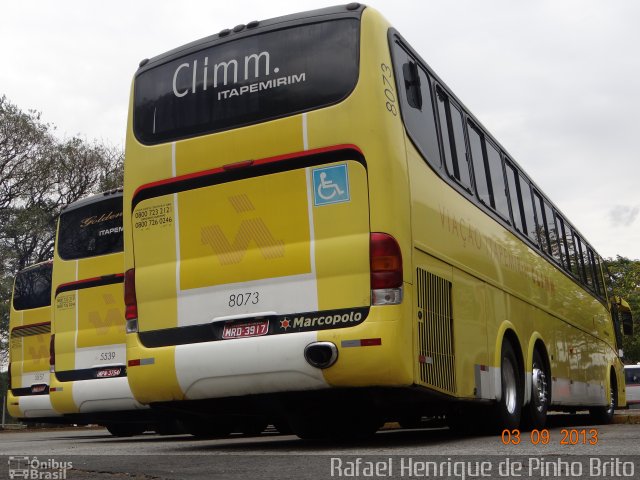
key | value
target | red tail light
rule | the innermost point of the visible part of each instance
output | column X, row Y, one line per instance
column 386, row 262
column 52, row 351
column 130, row 301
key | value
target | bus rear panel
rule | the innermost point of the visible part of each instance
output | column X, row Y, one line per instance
column 30, row 333
column 89, row 354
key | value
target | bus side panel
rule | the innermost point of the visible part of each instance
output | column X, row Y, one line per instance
column 378, row 131
column 470, row 318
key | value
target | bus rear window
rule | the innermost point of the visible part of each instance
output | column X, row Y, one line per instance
column 245, row 81
column 91, row 230
column 32, row 288
column 632, row 376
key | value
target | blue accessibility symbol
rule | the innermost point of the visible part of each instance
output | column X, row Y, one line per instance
column 330, row 185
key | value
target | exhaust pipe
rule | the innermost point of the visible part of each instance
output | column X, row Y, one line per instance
column 321, row 354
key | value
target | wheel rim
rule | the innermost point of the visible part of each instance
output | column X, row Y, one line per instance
column 612, row 400
column 509, row 385
column 539, row 380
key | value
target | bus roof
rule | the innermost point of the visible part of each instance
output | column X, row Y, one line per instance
column 116, row 192
column 352, row 10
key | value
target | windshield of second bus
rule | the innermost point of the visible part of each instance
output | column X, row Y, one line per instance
column 91, row 230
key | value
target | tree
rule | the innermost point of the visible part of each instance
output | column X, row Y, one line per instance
column 625, row 280
column 25, row 143
column 39, row 174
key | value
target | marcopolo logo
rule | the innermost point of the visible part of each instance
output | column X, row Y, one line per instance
column 37, row 469
column 323, row 320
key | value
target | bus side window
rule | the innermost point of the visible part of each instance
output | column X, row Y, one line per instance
column 543, row 234
column 416, row 107
column 514, row 196
column 571, row 247
column 460, row 150
column 527, row 207
column 496, row 174
column 453, row 144
column 594, row 272
column 562, row 239
column 586, row 264
column 483, row 189
column 448, row 148
column 554, row 237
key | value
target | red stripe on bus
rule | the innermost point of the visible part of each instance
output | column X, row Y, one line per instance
column 88, row 280
column 263, row 161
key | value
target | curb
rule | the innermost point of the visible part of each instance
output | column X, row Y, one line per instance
column 628, row 418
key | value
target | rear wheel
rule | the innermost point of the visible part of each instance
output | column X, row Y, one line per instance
column 126, row 429
column 508, row 410
column 534, row 414
column 604, row 415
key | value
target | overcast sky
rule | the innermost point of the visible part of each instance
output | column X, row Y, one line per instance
column 555, row 81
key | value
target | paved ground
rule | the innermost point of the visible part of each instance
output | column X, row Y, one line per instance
column 97, row 455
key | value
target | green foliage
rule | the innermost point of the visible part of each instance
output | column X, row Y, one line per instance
column 625, row 280
column 39, row 174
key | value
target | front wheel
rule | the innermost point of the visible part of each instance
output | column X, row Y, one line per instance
column 604, row 415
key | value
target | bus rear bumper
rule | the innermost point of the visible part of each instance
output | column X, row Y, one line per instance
column 247, row 366
column 30, row 406
column 372, row 353
column 104, row 395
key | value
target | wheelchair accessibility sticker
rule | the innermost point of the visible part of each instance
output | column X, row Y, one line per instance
column 330, row 185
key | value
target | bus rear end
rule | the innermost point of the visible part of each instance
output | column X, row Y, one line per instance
column 89, row 379
column 257, row 268
column 30, row 333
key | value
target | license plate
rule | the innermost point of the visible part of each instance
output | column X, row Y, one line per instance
column 38, row 388
column 109, row 372
column 249, row 329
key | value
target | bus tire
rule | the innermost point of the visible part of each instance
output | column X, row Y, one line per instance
column 534, row 414
column 126, row 429
column 604, row 415
column 508, row 410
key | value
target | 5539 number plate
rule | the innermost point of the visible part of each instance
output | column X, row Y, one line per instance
column 250, row 329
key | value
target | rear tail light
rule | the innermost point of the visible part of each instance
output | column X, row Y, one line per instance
column 130, row 301
column 52, row 353
column 9, row 375
column 386, row 270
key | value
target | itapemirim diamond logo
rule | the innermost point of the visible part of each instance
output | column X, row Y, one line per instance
column 36, row 469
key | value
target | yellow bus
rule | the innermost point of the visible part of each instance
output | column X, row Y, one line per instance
column 29, row 333
column 88, row 354
column 318, row 231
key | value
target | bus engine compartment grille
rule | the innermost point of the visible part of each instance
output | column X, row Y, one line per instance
column 435, row 332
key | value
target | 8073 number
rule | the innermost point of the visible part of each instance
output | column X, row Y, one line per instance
column 242, row 299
